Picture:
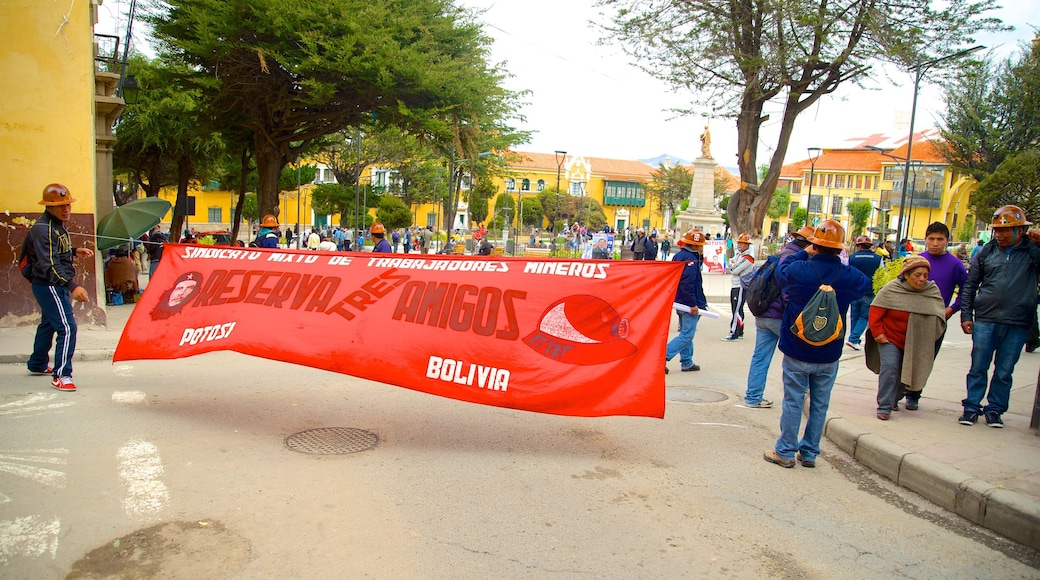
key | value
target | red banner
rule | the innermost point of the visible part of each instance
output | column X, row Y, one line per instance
column 567, row 337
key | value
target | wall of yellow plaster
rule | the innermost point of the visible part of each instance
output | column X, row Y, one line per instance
column 46, row 122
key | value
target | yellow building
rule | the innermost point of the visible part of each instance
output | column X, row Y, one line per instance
column 55, row 127
column 935, row 192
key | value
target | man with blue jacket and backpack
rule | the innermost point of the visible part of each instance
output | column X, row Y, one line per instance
column 767, row 327
column 812, row 341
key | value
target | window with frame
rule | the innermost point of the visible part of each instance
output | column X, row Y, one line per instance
column 510, row 184
column 794, row 206
column 839, row 181
column 215, row 214
column 541, row 184
column 837, row 206
column 525, row 185
column 816, row 204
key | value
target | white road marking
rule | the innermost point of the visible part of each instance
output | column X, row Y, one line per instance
column 129, row 397
column 124, row 371
column 140, row 468
column 13, row 461
column 28, row 536
column 33, row 404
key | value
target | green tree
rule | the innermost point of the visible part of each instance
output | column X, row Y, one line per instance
column 1015, row 181
column 505, row 210
column 992, row 113
column 798, row 220
column 668, row 187
column 531, row 211
column 333, row 198
column 393, row 213
column 780, row 205
column 741, row 55
column 859, row 214
column 166, row 139
column 966, row 230
column 296, row 71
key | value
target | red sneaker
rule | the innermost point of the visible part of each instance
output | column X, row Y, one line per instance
column 46, row 371
column 64, row 384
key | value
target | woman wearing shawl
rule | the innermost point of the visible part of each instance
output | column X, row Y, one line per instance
column 906, row 318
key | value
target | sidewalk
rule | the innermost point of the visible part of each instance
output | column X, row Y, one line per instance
column 989, row 476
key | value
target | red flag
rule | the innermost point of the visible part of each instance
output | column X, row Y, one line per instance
column 567, row 337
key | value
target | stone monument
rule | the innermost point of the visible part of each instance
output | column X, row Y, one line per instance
column 701, row 212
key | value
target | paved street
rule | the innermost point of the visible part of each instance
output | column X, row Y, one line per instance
column 180, row 468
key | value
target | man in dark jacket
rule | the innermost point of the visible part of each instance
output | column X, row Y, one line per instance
column 156, row 239
column 690, row 294
column 805, row 366
column 767, row 331
column 867, row 261
column 998, row 304
column 650, row 247
column 50, row 254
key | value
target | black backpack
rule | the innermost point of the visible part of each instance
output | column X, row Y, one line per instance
column 764, row 289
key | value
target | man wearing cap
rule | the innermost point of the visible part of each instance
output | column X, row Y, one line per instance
column 650, row 247
column 689, row 293
column 767, row 331
column 867, row 261
column 742, row 268
column 998, row 304
column 807, row 367
column 50, row 254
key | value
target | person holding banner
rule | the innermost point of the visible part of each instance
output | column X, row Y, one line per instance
column 690, row 292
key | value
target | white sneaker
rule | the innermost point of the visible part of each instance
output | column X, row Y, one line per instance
column 852, row 345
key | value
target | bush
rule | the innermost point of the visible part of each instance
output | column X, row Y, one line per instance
column 207, row 241
column 887, row 273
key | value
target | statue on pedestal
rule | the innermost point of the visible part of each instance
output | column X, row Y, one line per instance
column 706, row 143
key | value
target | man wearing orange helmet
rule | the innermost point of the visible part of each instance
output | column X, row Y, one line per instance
column 742, row 268
column 269, row 234
column 998, row 305
column 867, row 261
column 50, row 254
column 689, row 293
column 378, row 233
column 807, row 367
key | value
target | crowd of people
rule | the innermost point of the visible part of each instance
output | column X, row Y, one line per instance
column 900, row 327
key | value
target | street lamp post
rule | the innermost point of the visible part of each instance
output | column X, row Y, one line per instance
column 561, row 156
column 919, row 69
column 814, row 154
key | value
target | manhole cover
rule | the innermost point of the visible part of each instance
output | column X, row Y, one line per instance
column 332, row 441
column 694, row 395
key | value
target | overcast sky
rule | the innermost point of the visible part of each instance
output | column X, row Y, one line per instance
column 588, row 100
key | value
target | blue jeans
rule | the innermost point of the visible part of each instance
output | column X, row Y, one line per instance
column 55, row 319
column 989, row 339
column 859, row 312
column 682, row 344
column 818, row 378
column 767, row 334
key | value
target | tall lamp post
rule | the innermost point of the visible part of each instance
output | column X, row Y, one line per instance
column 919, row 70
column 814, row 154
column 561, row 156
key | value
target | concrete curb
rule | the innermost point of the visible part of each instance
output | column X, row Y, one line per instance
column 101, row 354
column 1004, row 511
